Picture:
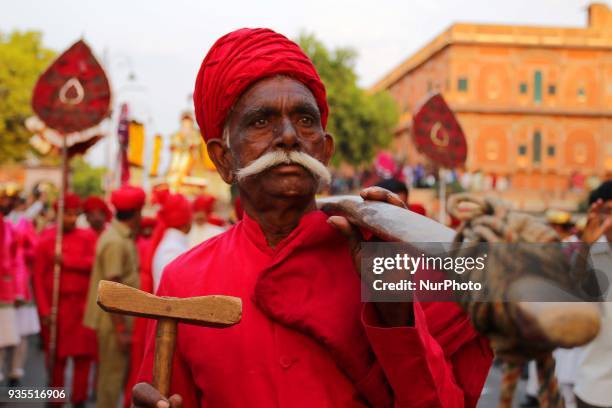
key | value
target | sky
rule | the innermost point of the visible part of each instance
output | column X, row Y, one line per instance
column 163, row 42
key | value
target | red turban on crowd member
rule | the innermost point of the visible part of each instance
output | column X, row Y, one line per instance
column 175, row 212
column 418, row 208
column 241, row 58
column 159, row 193
column 454, row 222
column 205, row 203
column 71, row 202
column 128, row 198
column 148, row 222
column 92, row 203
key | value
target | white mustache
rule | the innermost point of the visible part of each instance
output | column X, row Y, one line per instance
column 271, row 159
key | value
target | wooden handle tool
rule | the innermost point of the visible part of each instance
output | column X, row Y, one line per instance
column 210, row 311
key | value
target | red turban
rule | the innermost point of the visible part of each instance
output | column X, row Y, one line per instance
column 92, row 203
column 71, row 202
column 128, row 198
column 148, row 222
column 204, row 203
column 418, row 208
column 241, row 58
column 175, row 212
column 159, row 193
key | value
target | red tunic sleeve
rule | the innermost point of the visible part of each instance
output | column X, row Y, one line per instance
column 421, row 371
column 182, row 379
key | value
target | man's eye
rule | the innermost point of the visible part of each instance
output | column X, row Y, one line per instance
column 306, row 121
column 260, row 123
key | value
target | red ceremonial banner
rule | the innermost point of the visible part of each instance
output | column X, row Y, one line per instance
column 73, row 94
column 437, row 134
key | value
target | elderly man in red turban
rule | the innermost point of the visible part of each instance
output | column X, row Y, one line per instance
column 201, row 228
column 117, row 260
column 97, row 212
column 74, row 340
column 305, row 339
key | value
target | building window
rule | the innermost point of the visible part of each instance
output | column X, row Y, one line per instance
column 522, row 150
column 493, row 87
column 462, row 84
column 581, row 93
column 492, row 150
column 580, row 153
column 523, row 88
column 537, row 147
column 551, row 151
column 552, row 89
column 537, row 87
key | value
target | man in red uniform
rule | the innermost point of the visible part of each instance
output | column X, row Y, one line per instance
column 97, row 212
column 305, row 339
column 73, row 339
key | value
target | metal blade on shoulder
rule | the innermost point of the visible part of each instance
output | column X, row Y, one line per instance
column 388, row 222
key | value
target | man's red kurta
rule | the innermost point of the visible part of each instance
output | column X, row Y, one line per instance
column 78, row 250
column 25, row 238
column 305, row 340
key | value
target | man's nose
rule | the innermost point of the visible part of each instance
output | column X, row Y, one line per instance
column 287, row 137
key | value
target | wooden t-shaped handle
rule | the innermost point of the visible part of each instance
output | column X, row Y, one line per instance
column 211, row 311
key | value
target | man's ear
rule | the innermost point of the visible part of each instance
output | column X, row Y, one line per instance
column 328, row 149
column 220, row 154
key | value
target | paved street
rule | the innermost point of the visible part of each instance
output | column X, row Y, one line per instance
column 36, row 376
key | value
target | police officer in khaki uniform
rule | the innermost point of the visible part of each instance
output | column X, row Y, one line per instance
column 116, row 260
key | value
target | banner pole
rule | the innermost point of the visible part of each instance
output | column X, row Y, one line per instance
column 442, row 195
column 57, row 266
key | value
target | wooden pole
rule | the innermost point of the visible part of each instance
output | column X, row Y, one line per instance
column 442, row 195
column 57, row 266
column 165, row 341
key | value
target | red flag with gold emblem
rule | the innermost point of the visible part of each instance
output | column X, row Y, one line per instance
column 437, row 134
column 73, row 94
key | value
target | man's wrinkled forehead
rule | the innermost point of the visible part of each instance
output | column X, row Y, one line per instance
column 265, row 96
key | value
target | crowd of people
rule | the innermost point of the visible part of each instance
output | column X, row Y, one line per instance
column 100, row 240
